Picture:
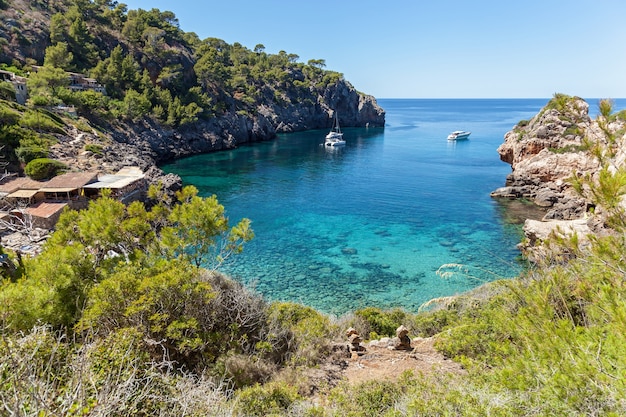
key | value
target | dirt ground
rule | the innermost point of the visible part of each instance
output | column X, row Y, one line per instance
column 379, row 363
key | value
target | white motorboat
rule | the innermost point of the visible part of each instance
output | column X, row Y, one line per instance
column 459, row 135
column 335, row 137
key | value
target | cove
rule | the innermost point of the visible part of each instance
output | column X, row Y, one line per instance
column 398, row 216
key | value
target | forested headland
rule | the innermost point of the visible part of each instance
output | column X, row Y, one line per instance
column 134, row 77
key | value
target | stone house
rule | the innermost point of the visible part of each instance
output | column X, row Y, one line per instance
column 127, row 185
column 43, row 214
column 39, row 204
column 19, row 84
column 78, row 82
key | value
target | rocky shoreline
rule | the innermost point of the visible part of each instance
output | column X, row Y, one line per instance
column 544, row 154
column 146, row 144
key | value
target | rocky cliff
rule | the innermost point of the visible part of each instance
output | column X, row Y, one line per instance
column 558, row 144
column 146, row 143
column 232, row 129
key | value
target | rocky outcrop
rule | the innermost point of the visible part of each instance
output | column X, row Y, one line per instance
column 233, row 129
column 545, row 153
column 537, row 232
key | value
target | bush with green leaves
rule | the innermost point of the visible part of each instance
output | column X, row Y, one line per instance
column 114, row 266
column 94, row 148
column 309, row 332
column 367, row 399
column 265, row 400
column 380, row 322
column 44, row 168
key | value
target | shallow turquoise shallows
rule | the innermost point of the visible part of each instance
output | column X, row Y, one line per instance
column 375, row 222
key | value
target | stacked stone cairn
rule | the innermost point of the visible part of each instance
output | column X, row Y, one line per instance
column 355, row 342
column 402, row 341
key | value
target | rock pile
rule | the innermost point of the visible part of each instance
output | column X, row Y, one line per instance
column 355, row 342
column 402, row 341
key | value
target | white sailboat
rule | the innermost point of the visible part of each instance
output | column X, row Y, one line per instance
column 335, row 136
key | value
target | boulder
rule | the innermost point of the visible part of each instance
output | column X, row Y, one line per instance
column 537, row 232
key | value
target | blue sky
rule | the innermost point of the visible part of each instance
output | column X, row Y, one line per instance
column 433, row 48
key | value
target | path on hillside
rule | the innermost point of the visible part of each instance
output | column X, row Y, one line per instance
column 380, row 363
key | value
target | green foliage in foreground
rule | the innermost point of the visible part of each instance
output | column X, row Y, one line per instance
column 550, row 343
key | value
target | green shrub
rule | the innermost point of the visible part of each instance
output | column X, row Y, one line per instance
column 310, row 331
column 264, row 400
column 368, row 399
column 40, row 121
column 245, row 370
column 94, row 148
column 8, row 115
column 44, row 168
column 428, row 324
column 449, row 395
column 32, row 146
column 522, row 123
column 381, row 323
column 29, row 153
column 569, row 149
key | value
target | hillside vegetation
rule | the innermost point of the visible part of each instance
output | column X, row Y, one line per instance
column 125, row 312
column 213, row 94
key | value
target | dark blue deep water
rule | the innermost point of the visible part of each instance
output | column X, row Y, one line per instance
column 372, row 223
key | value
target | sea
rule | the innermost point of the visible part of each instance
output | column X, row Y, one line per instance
column 395, row 218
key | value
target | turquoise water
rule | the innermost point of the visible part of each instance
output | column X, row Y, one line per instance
column 372, row 223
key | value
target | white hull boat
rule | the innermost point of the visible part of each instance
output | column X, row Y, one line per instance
column 459, row 135
column 335, row 137
column 334, row 142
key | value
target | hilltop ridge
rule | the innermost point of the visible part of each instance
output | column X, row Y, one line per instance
column 168, row 93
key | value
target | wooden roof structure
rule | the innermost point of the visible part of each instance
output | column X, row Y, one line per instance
column 45, row 210
column 69, row 181
column 20, row 183
column 23, row 194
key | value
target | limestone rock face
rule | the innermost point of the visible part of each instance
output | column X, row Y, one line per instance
column 538, row 231
column 546, row 152
column 233, row 129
